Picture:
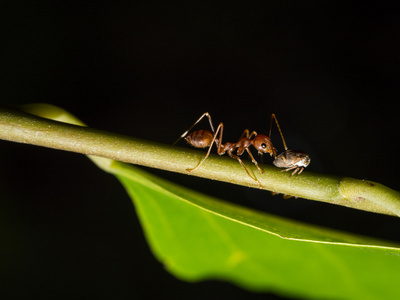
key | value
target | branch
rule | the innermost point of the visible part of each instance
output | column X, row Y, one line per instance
column 31, row 127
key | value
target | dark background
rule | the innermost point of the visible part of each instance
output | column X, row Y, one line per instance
column 329, row 71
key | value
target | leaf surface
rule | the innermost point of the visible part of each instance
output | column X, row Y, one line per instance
column 198, row 237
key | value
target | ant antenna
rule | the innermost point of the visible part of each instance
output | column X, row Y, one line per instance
column 279, row 128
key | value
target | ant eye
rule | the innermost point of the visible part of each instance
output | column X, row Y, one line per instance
column 263, row 146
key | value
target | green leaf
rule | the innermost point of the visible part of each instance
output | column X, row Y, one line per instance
column 198, row 237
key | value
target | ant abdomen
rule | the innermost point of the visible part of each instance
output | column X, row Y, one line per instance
column 200, row 138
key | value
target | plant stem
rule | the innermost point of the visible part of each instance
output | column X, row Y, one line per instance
column 33, row 128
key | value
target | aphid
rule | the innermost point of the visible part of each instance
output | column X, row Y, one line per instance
column 205, row 138
column 295, row 160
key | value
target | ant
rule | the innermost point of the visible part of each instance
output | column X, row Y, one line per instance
column 205, row 138
column 295, row 160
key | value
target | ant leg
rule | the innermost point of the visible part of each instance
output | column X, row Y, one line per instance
column 247, row 171
column 245, row 134
column 254, row 161
column 252, row 134
column 248, row 135
column 195, row 123
column 219, row 129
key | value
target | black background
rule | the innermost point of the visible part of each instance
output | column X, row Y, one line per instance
column 329, row 71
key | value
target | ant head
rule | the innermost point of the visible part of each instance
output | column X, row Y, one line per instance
column 264, row 145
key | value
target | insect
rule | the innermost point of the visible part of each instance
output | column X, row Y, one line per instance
column 205, row 138
column 295, row 160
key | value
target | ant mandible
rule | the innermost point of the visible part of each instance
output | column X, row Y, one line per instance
column 295, row 160
column 205, row 138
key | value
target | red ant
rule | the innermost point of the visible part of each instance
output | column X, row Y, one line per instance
column 295, row 160
column 205, row 138
column 289, row 159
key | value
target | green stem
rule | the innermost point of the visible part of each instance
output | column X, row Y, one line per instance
column 33, row 128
